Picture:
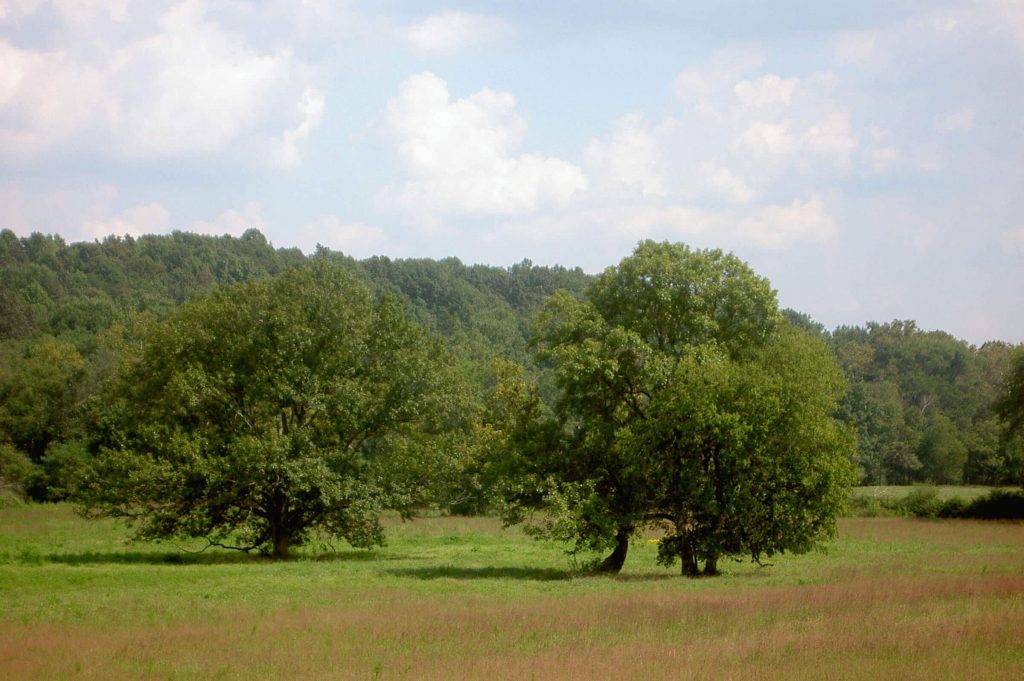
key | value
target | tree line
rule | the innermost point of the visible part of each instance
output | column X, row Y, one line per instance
column 669, row 389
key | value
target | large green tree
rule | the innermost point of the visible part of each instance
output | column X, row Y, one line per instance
column 684, row 398
column 745, row 455
column 265, row 411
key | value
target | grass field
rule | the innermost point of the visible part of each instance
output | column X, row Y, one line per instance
column 966, row 493
column 458, row 598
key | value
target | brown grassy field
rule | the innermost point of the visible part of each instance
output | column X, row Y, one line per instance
column 461, row 599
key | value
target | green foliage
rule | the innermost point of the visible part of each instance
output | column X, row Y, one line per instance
column 682, row 399
column 922, row 405
column 39, row 393
column 16, row 472
column 748, row 455
column 57, row 476
column 921, row 502
column 1010, row 405
column 941, row 453
column 924, row 502
column 262, row 412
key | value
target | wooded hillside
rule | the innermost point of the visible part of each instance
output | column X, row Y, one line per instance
column 922, row 402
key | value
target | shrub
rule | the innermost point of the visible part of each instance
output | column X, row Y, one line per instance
column 55, row 478
column 952, row 508
column 15, row 471
column 996, row 505
column 921, row 502
column 863, row 506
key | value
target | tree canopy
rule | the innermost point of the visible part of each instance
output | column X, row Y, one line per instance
column 264, row 411
column 684, row 398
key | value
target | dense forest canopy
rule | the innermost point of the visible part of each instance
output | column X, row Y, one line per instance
column 925, row 405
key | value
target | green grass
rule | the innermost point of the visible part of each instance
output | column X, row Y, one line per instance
column 966, row 493
column 463, row 598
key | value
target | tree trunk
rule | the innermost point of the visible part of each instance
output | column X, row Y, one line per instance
column 689, row 564
column 617, row 558
column 711, row 565
column 280, row 549
column 688, row 559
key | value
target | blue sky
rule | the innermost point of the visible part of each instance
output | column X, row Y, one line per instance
column 867, row 157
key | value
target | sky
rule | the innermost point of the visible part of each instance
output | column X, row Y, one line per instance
column 867, row 157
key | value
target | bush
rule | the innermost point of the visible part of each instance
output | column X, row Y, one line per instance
column 862, row 506
column 55, row 478
column 996, row 505
column 15, row 471
column 952, row 508
column 921, row 502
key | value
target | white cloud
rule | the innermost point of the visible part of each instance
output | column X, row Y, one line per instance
column 459, row 154
column 762, row 138
column 675, row 222
column 284, row 152
column 770, row 124
column 150, row 218
column 134, row 86
column 232, row 221
column 628, row 158
column 776, row 227
column 356, row 239
column 727, row 184
column 830, row 137
column 701, row 88
column 766, row 92
column 452, row 31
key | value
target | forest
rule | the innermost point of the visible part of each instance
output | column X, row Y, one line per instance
column 924, row 406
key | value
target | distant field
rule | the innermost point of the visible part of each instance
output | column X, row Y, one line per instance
column 454, row 598
column 965, row 492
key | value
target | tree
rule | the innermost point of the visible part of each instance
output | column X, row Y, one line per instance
column 744, row 456
column 39, row 393
column 941, row 452
column 265, row 411
column 656, row 348
column 1010, row 405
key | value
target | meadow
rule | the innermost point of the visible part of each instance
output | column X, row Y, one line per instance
column 462, row 598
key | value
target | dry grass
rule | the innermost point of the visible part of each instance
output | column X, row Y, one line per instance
column 934, row 628
column 902, row 614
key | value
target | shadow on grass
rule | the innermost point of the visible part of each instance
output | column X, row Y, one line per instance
column 452, row 572
column 182, row 558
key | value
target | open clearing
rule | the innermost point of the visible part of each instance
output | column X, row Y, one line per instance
column 453, row 598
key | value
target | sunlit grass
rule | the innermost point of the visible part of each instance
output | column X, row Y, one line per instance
column 456, row 598
column 966, row 493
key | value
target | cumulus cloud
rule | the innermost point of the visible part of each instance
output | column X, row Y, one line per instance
column 629, row 157
column 452, row 31
column 285, row 152
column 726, row 184
column 234, row 221
column 355, row 238
column 768, row 91
column 776, row 227
column 171, row 85
column 151, row 218
column 740, row 134
column 770, row 124
column 459, row 154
